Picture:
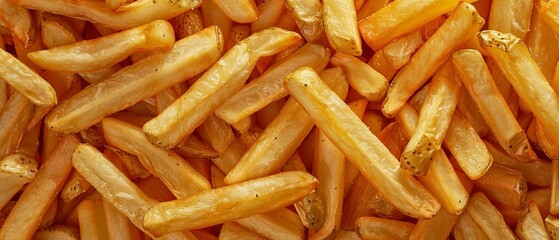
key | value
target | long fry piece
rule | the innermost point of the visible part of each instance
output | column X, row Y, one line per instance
column 359, row 145
column 186, row 58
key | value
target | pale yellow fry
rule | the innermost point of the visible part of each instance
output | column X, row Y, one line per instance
column 85, row 56
column 511, row 17
column 212, row 15
column 467, row 228
column 186, row 58
column 232, row 231
column 438, row 227
column 504, row 186
column 118, row 226
column 268, row 14
column 401, row 17
column 396, row 54
column 530, row 225
column 91, row 216
column 222, row 80
column 128, row 16
column 242, row 11
column 308, row 16
column 250, row 99
column 550, row 14
column 464, row 21
column 26, row 215
column 57, row 31
column 188, row 23
column 540, row 35
column 14, row 118
column 19, row 21
column 228, row 159
column 488, row 217
column 214, row 206
column 359, row 145
column 281, row 138
column 526, row 78
column 340, row 25
column 552, row 227
column 278, row 224
column 362, row 77
column 115, row 187
column 218, row 132
column 434, row 119
column 375, row 228
column 74, row 187
column 475, row 75
column 15, row 171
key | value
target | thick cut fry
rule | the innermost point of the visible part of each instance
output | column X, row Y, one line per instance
column 511, row 17
column 215, row 86
column 218, row 132
column 192, row 146
column 488, row 217
column 19, row 21
column 473, row 72
column 546, row 55
column 214, row 206
column 464, row 21
column 278, row 224
column 268, row 14
column 401, row 17
column 434, row 119
column 243, row 11
column 280, row 139
column 469, row 110
column 15, row 171
column 438, row 227
column 115, row 187
column 359, row 145
column 404, row 46
column 185, row 59
column 232, row 231
column 504, row 186
column 340, row 25
column 14, row 118
column 467, row 228
column 550, row 14
column 250, row 98
column 188, row 23
column 214, row 16
column 29, row 209
column 179, row 176
column 84, row 56
column 118, row 226
column 374, row 228
column 308, row 16
column 531, row 225
column 128, row 16
column 91, row 215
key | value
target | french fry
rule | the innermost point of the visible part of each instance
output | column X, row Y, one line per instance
column 232, row 230
column 15, row 171
column 350, row 171
column 60, row 232
column 370, row 7
column 340, row 25
column 218, row 132
column 101, row 173
column 156, row 189
column 336, row 117
column 14, row 119
column 127, row 16
column 434, row 118
column 546, row 142
column 29, row 143
column 383, row 229
column 238, row 33
column 250, row 99
column 504, row 186
column 478, row 81
column 118, row 226
column 438, row 227
column 550, row 14
column 132, row 165
column 545, row 55
column 554, row 199
column 308, row 16
column 552, row 227
column 50, row 215
column 470, row 111
column 19, row 21
column 91, row 215
column 179, row 176
column 375, row 121
column 531, row 225
column 488, row 217
column 74, row 186
column 251, row 197
column 115, row 4
column 56, row 31
column 28, row 211
column 508, row 17
column 526, row 78
column 194, row 147
column 463, row 22
column 467, row 228
column 281, row 223
column 268, row 14
column 188, row 23
column 141, row 80
column 171, row 125
column 84, row 56
column 228, row 159
column 214, row 16
column 347, row 235
column 243, row 11
column 280, row 139
column 267, row 114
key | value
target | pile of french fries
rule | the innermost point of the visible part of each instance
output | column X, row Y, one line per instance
column 279, row 119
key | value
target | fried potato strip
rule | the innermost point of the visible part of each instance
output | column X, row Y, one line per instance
column 308, row 16
column 15, row 171
column 340, row 25
column 19, row 21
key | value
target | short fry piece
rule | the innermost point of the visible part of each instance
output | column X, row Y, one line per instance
column 308, row 16
column 488, row 217
column 372, row 228
column 15, row 171
column 340, row 25
column 530, row 225
column 214, row 206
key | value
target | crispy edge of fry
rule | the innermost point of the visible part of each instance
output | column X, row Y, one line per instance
column 340, row 25
column 75, row 186
column 488, row 217
column 504, row 186
column 531, row 224
column 552, row 226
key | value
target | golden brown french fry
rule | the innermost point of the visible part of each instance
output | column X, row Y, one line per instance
column 526, row 78
column 243, row 11
column 463, row 22
column 278, row 224
column 232, row 230
column 123, row 194
column 60, row 232
column 228, row 159
column 56, row 31
column 186, row 58
column 400, row 17
column 212, row 15
column 238, row 33
column 19, row 21
column 250, row 99
column 475, row 75
column 370, row 7
column 217, row 177
column 546, row 142
column 345, row 130
column 29, row 143
column 509, row 17
column 251, row 197
column 127, row 16
column 340, row 25
column 434, row 119
column 218, row 132
column 215, row 86
column 268, row 14
column 127, row 163
column 3, row 93
column 540, row 35
column 267, row 114
column 504, row 186
column 470, row 111
column 179, row 176
column 383, row 229
column 438, row 227
column 91, row 215
column 554, row 199
column 29, row 210
column 375, row 121
column 74, row 186
column 156, row 189
column 308, row 16
column 531, row 225
column 488, row 217
column 118, row 226
column 192, row 146
column 467, row 228
column 84, row 56
column 14, row 118
column 552, row 227
column 350, row 171
column 550, row 14
column 15, row 171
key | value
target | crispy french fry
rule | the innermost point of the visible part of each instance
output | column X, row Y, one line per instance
column 531, row 225
column 308, row 16
column 383, row 229
column 29, row 210
column 214, row 16
column 137, row 82
column 463, row 22
column 238, row 33
column 15, row 171
column 488, row 217
column 255, row 196
column 540, row 35
column 504, row 186
column 278, row 224
column 250, row 99
column 546, row 142
column 470, row 111
column 511, row 17
column 115, row 4
column 74, row 186
column 118, row 226
column 228, row 159
column 340, row 25
column 350, row 171
column 179, row 176
column 243, row 11
column 438, row 227
column 192, row 146
column 526, row 78
column 268, row 13
column 127, row 163
column 218, row 132
column 127, row 16
column 14, row 119
column 475, row 75
column 550, row 14
column 93, row 225
column 225, row 78
column 188, row 23
column 333, row 117
column 232, row 230
column 84, row 56
column 370, row 7
column 467, row 228
column 56, row 31
column 19, row 21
